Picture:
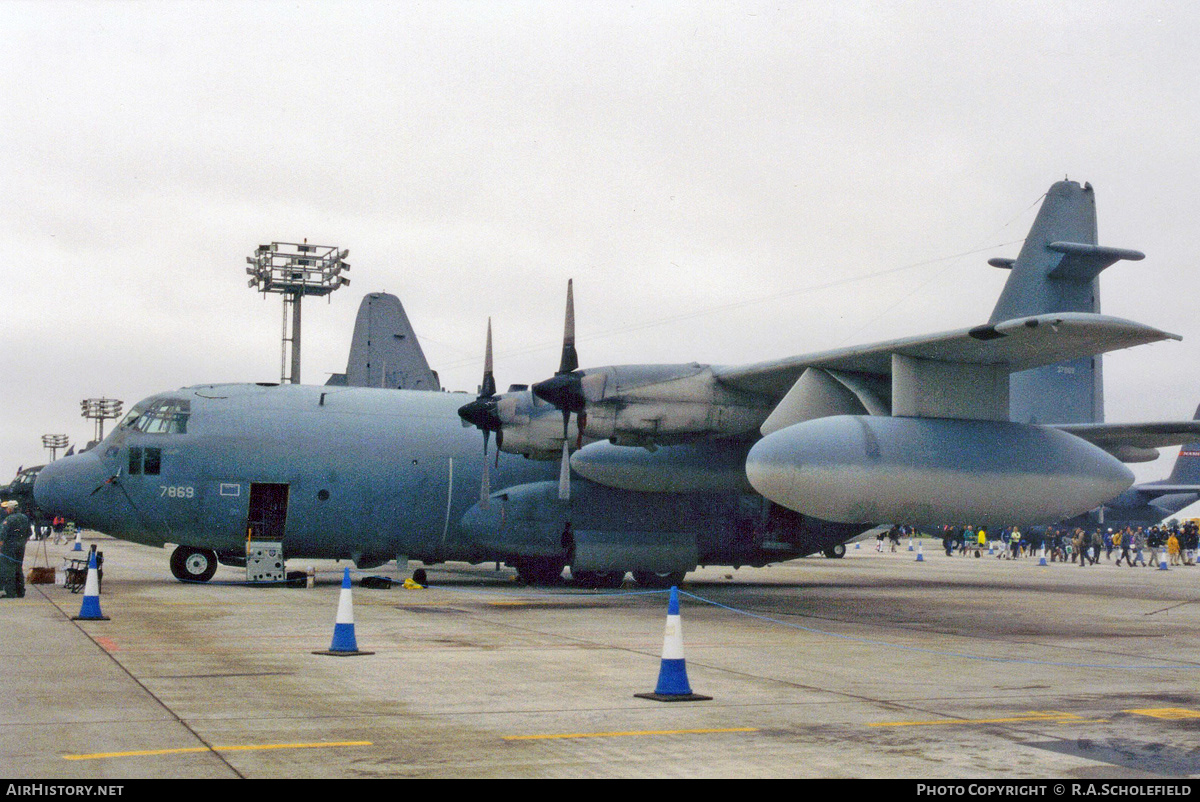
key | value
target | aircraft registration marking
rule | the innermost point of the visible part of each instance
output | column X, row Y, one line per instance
column 196, row 749
column 554, row 736
column 177, row 491
column 1034, row 715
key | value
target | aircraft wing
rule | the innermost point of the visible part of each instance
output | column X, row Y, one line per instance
column 1135, row 442
column 1155, row 490
column 1014, row 345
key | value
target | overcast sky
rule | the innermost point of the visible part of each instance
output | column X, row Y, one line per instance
column 726, row 182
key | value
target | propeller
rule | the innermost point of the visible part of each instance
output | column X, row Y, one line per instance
column 564, row 391
column 482, row 414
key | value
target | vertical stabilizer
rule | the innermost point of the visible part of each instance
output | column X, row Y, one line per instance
column 1187, row 464
column 385, row 351
column 1058, row 270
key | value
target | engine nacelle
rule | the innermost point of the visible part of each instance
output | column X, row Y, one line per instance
column 933, row 471
column 665, row 404
column 707, row 466
column 530, row 522
column 634, row 405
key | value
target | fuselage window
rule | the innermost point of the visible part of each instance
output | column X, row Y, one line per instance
column 153, row 463
column 135, row 460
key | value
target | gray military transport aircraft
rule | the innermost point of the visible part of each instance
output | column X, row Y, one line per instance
column 1149, row 503
column 684, row 465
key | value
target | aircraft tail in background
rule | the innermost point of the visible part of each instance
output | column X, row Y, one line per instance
column 385, row 351
column 1058, row 270
column 1187, row 464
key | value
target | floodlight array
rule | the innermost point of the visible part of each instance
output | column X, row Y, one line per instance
column 100, row 408
column 53, row 442
column 297, row 268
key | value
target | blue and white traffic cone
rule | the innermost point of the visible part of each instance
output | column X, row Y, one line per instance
column 858, row 545
column 920, row 554
column 991, row 548
column 344, row 643
column 1162, row 560
column 1042, row 557
column 90, row 609
column 672, row 674
column 78, row 542
column 910, row 545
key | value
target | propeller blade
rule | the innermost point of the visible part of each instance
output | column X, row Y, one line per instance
column 564, row 475
column 570, row 360
column 482, row 414
column 485, row 485
column 485, row 488
column 488, row 388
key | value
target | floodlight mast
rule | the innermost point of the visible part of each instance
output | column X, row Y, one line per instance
column 294, row 270
column 53, row 442
column 100, row 410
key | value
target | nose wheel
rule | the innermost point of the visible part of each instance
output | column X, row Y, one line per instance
column 193, row 565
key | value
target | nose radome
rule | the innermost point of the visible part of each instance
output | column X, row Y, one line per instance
column 65, row 487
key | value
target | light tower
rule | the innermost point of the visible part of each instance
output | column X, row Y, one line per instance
column 295, row 270
column 100, row 410
column 53, row 442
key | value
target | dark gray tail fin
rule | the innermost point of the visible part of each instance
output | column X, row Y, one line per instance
column 385, row 351
column 1187, row 464
column 1058, row 270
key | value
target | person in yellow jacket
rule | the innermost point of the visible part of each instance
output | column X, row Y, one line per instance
column 1173, row 548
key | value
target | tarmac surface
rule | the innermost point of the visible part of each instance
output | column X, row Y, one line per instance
column 876, row 665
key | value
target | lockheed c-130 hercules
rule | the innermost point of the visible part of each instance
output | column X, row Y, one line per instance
column 674, row 466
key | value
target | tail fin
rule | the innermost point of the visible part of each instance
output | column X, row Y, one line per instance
column 385, row 351
column 1187, row 464
column 1058, row 270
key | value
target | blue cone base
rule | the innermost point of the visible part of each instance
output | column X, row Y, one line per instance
column 344, row 643
column 672, row 679
column 343, row 639
column 90, row 610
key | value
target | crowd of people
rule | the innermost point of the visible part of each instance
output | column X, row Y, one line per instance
column 1133, row 545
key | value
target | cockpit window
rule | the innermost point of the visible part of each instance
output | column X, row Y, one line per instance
column 160, row 416
column 132, row 418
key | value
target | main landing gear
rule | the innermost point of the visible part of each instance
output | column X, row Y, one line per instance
column 190, row 564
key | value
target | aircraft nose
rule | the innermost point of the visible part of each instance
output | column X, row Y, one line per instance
column 66, row 487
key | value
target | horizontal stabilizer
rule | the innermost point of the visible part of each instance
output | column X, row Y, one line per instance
column 1156, row 490
column 1083, row 262
column 1135, row 442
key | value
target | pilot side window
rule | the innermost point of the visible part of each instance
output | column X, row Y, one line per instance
column 145, row 460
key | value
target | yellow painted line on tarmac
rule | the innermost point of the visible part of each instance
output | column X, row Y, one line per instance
column 195, row 749
column 1166, row 712
column 1034, row 715
column 625, row 734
